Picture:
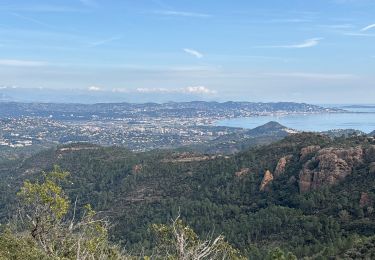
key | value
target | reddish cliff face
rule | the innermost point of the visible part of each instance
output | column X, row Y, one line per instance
column 328, row 167
column 306, row 151
column 281, row 165
column 267, row 179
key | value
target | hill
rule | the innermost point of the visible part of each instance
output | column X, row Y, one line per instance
column 271, row 128
column 308, row 194
column 343, row 132
column 243, row 139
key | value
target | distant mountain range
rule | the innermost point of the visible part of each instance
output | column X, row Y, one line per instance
column 171, row 109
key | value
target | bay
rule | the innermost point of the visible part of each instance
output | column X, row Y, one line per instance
column 364, row 121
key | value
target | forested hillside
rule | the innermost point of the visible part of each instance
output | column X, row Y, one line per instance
column 307, row 194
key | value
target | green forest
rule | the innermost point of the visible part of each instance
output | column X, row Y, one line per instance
column 117, row 204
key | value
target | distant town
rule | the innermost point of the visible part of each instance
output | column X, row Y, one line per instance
column 139, row 127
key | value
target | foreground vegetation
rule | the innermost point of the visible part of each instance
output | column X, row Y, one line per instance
column 43, row 231
column 140, row 195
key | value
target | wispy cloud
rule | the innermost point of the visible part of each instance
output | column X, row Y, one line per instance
column 364, row 32
column 193, row 52
column 199, row 90
column 290, row 20
column 306, row 44
column 317, row 76
column 120, row 90
column 94, row 89
column 22, row 63
column 359, row 34
column 193, row 90
column 182, row 14
column 9, row 87
column 32, row 20
column 369, row 27
column 105, row 41
column 338, row 26
column 153, row 90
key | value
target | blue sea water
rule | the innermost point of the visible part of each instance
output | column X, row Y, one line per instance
column 364, row 121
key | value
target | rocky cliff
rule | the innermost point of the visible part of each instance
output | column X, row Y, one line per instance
column 267, row 178
column 306, row 151
column 281, row 165
column 328, row 167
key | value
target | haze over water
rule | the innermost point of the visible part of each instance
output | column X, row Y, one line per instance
column 364, row 121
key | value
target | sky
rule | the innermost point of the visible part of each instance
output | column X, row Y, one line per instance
column 320, row 51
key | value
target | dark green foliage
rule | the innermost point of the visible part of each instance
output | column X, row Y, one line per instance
column 210, row 198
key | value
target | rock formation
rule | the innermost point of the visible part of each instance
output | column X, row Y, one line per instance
column 328, row 167
column 137, row 168
column 267, row 178
column 306, row 151
column 242, row 173
column 281, row 165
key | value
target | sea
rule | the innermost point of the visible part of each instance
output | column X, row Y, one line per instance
column 359, row 117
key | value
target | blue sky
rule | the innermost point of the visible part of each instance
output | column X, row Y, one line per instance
column 320, row 51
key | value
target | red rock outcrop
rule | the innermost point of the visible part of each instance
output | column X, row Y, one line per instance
column 281, row 165
column 137, row 168
column 328, row 167
column 267, row 178
column 242, row 173
column 308, row 150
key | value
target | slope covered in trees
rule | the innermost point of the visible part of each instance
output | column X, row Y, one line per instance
column 220, row 194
